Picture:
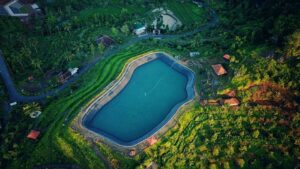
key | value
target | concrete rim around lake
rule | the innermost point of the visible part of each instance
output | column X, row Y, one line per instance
column 117, row 85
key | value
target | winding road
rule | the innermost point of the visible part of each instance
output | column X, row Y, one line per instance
column 15, row 96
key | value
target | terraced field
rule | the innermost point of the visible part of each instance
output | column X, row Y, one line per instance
column 60, row 140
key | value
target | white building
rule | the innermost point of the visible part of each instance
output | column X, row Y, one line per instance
column 140, row 30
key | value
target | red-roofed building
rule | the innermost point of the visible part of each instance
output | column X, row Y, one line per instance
column 219, row 69
column 34, row 134
column 226, row 57
column 232, row 102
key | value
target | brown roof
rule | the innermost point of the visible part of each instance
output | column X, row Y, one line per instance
column 232, row 102
column 64, row 76
column 105, row 40
column 219, row 69
column 34, row 134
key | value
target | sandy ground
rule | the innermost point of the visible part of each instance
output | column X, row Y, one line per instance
column 168, row 18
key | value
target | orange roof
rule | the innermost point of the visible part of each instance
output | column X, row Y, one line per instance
column 226, row 56
column 151, row 140
column 219, row 69
column 232, row 102
column 33, row 134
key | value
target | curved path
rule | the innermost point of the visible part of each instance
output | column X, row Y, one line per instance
column 15, row 96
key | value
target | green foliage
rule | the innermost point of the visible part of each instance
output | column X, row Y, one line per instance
column 293, row 44
column 204, row 137
column 230, row 145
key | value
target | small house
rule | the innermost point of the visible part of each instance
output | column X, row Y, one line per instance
column 132, row 153
column 232, row 102
column 13, row 103
column 139, row 29
column 73, row 71
column 151, row 140
column 105, row 40
column 64, row 76
column 226, row 57
column 156, row 31
column 193, row 54
column 219, row 69
column 34, row 134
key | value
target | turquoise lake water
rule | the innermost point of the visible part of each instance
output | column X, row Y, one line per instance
column 153, row 90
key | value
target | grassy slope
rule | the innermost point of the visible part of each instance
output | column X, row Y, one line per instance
column 60, row 144
column 58, row 140
column 205, row 137
column 188, row 13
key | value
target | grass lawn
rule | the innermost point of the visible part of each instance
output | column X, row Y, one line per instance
column 187, row 12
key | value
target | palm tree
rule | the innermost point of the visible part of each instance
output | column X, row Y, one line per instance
column 37, row 63
column 31, row 107
column 67, row 27
column 50, row 21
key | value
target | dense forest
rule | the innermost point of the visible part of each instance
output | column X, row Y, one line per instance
column 68, row 31
column 261, row 36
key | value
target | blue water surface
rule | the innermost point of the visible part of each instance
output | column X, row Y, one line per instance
column 153, row 90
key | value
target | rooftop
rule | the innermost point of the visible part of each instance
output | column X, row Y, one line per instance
column 34, row 134
column 219, row 69
column 232, row 102
column 226, row 56
column 152, row 140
